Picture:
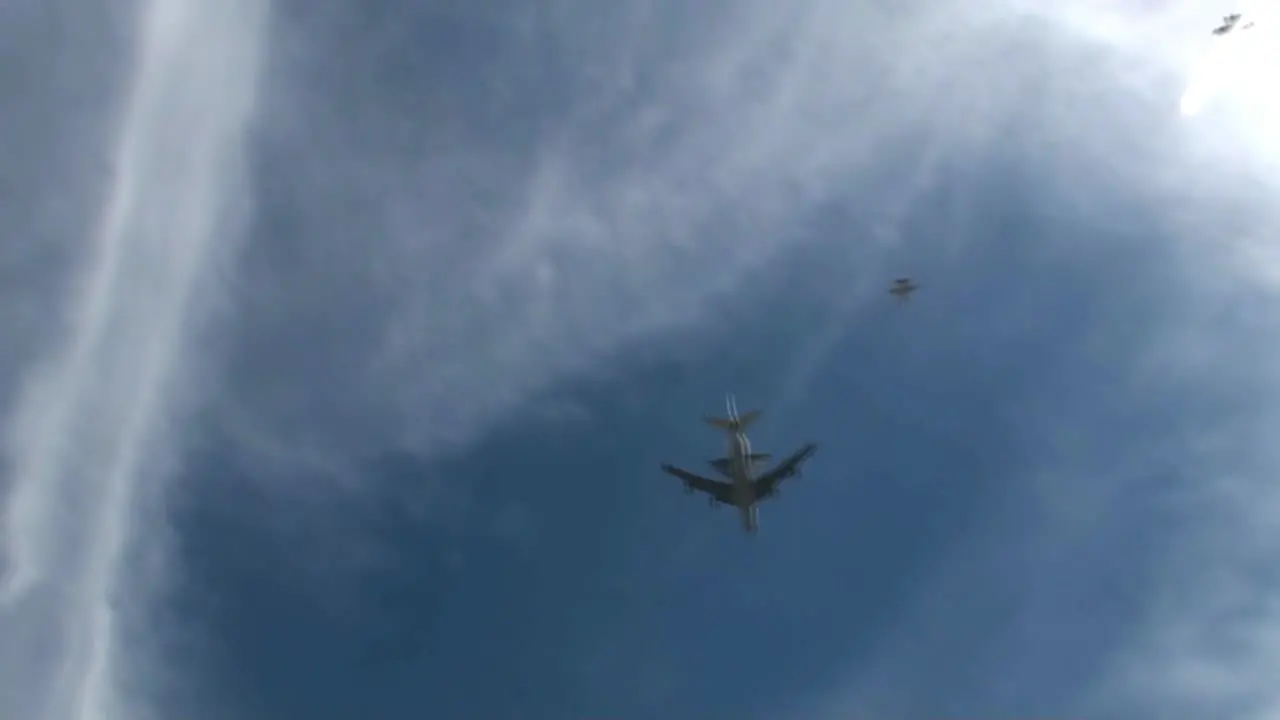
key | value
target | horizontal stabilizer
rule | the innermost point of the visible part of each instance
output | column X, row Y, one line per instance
column 723, row 466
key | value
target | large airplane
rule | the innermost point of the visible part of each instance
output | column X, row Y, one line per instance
column 1229, row 23
column 902, row 288
column 744, row 489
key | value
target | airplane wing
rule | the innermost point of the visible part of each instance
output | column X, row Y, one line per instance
column 767, row 484
column 721, row 492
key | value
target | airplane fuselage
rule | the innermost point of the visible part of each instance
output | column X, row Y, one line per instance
column 740, row 473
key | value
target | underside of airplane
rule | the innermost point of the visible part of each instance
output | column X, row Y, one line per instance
column 762, row 487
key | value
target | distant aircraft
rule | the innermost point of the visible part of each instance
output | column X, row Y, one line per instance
column 1229, row 23
column 744, row 490
column 902, row 288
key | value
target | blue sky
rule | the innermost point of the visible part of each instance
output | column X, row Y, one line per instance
column 372, row 322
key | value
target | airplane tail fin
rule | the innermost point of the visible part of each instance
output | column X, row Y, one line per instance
column 734, row 424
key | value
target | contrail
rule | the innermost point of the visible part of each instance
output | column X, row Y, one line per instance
column 87, row 429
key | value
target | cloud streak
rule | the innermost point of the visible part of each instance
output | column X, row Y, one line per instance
column 91, row 430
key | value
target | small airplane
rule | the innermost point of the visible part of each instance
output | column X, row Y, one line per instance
column 744, row 489
column 1229, row 23
column 902, row 288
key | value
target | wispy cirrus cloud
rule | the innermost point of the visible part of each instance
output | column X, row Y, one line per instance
column 507, row 237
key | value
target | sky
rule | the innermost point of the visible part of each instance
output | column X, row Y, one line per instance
column 343, row 342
